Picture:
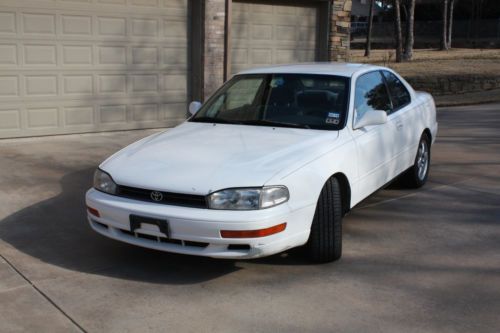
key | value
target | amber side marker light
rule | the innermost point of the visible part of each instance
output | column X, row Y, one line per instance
column 253, row 233
column 93, row 211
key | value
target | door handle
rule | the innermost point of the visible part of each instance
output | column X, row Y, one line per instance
column 399, row 125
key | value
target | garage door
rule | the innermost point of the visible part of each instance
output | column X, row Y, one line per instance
column 264, row 34
column 91, row 65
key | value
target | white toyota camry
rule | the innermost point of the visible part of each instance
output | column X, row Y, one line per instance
column 273, row 160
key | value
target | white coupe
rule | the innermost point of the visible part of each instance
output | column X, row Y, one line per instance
column 273, row 160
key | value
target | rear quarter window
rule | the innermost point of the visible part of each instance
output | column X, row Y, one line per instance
column 399, row 94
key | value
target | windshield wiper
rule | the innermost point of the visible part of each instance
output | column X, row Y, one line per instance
column 214, row 120
column 259, row 122
column 263, row 122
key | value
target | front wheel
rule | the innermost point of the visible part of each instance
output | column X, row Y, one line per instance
column 325, row 240
column 417, row 175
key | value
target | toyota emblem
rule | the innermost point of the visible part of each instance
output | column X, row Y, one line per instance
column 156, row 196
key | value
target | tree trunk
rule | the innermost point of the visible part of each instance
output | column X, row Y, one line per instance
column 369, row 33
column 450, row 25
column 444, row 43
column 404, row 22
column 399, row 36
column 410, row 32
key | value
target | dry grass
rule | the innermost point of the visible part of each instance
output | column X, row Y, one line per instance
column 432, row 62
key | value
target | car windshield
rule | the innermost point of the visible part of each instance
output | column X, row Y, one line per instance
column 284, row 100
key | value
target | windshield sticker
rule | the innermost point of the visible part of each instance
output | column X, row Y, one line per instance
column 333, row 115
column 332, row 120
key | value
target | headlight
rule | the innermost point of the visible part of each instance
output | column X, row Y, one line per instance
column 248, row 198
column 103, row 182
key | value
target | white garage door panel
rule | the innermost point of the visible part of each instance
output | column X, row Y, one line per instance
column 264, row 34
column 91, row 65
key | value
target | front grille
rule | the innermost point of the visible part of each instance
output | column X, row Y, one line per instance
column 164, row 239
column 169, row 198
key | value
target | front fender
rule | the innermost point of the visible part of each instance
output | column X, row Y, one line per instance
column 306, row 182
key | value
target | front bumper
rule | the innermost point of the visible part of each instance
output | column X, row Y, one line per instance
column 196, row 231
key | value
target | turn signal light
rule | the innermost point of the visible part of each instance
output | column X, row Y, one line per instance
column 253, row 233
column 93, row 211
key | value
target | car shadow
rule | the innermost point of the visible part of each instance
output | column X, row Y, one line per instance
column 56, row 231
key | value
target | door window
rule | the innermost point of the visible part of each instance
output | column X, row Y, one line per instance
column 399, row 94
column 371, row 94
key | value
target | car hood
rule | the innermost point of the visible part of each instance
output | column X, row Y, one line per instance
column 199, row 158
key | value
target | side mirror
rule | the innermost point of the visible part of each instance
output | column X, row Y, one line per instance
column 371, row 118
column 194, row 107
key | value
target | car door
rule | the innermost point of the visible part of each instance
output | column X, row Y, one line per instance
column 405, row 122
column 375, row 145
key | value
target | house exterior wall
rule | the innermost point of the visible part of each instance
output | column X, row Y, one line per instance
column 137, row 64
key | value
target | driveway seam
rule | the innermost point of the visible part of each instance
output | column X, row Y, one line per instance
column 44, row 295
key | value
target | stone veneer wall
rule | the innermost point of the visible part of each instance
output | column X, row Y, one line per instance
column 340, row 23
column 454, row 84
column 215, row 21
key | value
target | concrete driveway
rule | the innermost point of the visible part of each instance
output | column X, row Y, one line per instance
column 414, row 261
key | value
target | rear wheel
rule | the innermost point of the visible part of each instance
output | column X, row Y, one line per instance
column 417, row 175
column 325, row 240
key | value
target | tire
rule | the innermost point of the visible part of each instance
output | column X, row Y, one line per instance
column 416, row 176
column 325, row 239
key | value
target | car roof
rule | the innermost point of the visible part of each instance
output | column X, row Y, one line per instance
column 330, row 68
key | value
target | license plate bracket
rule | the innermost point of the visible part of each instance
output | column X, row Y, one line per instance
column 136, row 221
